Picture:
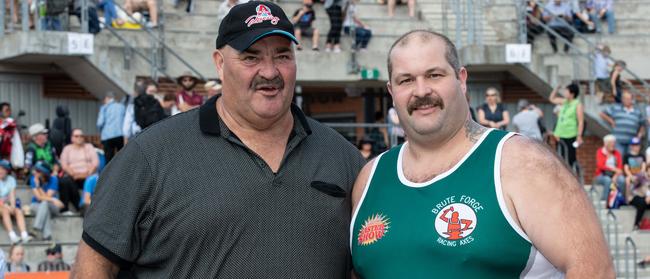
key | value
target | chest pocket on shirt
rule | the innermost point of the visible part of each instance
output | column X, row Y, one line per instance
column 329, row 189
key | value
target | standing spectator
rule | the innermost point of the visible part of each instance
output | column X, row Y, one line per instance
column 212, row 88
column 109, row 122
column 626, row 120
column 16, row 256
column 10, row 204
column 570, row 123
column 132, row 6
column 54, row 260
column 634, row 166
column 352, row 23
column 130, row 128
column 603, row 9
column 609, row 166
column 147, row 110
column 492, row 113
column 526, row 121
column 303, row 19
column 50, row 16
column 365, row 147
column 557, row 15
column 91, row 13
column 616, row 80
column 40, row 149
column 187, row 98
column 225, row 7
column 334, row 9
column 602, row 63
column 60, row 134
column 533, row 29
column 395, row 128
column 78, row 161
column 45, row 187
column 11, row 146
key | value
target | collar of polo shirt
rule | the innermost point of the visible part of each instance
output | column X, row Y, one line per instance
column 209, row 120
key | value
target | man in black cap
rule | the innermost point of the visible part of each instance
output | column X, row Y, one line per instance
column 54, row 261
column 264, row 193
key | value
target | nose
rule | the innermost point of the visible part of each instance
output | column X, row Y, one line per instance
column 421, row 87
column 268, row 69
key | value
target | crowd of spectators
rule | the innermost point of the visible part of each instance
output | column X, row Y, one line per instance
column 565, row 16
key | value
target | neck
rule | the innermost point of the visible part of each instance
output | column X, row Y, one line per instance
column 457, row 142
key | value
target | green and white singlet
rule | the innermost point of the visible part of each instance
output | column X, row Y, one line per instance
column 455, row 225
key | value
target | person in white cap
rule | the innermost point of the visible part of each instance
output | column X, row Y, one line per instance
column 212, row 88
column 39, row 149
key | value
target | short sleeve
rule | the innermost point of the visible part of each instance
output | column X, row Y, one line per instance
column 32, row 185
column 54, row 183
column 609, row 111
column 113, row 224
column 11, row 182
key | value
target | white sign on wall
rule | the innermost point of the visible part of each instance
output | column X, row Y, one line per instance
column 518, row 53
column 79, row 43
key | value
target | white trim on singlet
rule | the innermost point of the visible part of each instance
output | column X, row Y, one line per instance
column 538, row 266
column 405, row 181
column 363, row 197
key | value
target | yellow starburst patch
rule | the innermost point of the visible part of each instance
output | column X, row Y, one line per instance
column 374, row 229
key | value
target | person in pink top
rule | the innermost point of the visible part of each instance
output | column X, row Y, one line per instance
column 187, row 98
column 79, row 160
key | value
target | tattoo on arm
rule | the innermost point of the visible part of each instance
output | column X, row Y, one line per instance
column 473, row 130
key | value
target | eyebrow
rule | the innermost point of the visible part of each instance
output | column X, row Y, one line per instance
column 430, row 70
column 250, row 51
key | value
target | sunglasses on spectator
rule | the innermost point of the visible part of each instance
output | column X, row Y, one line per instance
column 77, row 136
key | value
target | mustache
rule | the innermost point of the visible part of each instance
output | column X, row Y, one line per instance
column 432, row 100
column 260, row 82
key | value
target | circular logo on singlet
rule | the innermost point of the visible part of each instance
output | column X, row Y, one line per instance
column 456, row 221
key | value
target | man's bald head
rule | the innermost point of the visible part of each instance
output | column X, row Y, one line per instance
column 423, row 37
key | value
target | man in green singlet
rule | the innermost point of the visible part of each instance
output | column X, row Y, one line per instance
column 461, row 201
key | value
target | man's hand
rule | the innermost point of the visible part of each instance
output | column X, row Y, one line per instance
column 579, row 140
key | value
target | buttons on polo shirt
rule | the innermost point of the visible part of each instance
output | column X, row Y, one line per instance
column 277, row 182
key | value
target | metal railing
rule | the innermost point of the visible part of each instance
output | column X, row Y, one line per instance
column 613, row 221
column 468, row 16
column 155, row 58
column 630, row 241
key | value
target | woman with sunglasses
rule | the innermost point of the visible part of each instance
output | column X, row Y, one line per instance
column 492, row 113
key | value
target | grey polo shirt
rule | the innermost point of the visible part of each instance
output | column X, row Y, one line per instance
column 187, row 199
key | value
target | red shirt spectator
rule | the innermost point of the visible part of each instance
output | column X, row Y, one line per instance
column 602, row 157
column 187, row 98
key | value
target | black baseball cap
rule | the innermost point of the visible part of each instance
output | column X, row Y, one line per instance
column 246, row 23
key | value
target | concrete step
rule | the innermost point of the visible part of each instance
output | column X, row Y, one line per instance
column 35, row 252
column 64, row 229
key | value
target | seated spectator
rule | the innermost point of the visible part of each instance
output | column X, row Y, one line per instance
column 15, row 262
column 78, row 161
column 532, row 27
column 603, row 9
column 54, row 261
column 644, row 263
column 391, row 7
column 557, row 15
column 143, row 5
column 11, row 205
column 581, row 18
column 526, row 121
column 616, row 80
column 492, row 113
column 11, row 146
column 110, row 12
column 633, row 165
column 609, row 166
column 45, row 187
column 40, row 149
column 626, row 120
column 639, row 196
column 88, row 192
column 225, row 7
column 302, row 21
column 352, row 22
column 187, row 98
column 602, row 64
column 365, row 147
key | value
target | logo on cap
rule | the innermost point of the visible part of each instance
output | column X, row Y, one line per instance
column 263, row 14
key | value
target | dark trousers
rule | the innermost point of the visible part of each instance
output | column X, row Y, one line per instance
column 641, row 206
column 112, row 146
column 336, row 24
column 565, row 32
column 571, row 151
column 69, row 192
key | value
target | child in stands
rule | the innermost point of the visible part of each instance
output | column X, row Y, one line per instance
column 10, row 205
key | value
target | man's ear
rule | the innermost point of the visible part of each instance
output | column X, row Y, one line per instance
column 218, row 59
